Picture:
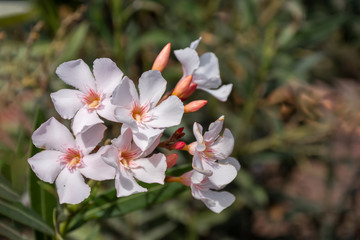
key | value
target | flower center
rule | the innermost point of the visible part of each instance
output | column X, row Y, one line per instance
column 139, row 113
column 72, row 158
column 126, row 157
column 92, row 99
column 208, row 152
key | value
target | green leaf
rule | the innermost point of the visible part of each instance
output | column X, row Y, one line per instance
column 101, row 207
column 26, row 216
column 9, row 232
column 6, row 192
column 108, row 205
column 42, row 200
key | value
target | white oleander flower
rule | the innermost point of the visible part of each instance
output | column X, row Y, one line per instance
column 93, row 94
column 146, row 117
column 67, row 159
column 132, row 163
column 205, row 71
column 211, row 154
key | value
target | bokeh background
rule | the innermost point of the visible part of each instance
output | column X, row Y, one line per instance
column 294, row 108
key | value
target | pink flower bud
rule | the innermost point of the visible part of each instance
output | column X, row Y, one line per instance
column 194, row 106
column 189, row 91
column 178, row 145
column 171, row 160
column 162, row 59
column 182, row 86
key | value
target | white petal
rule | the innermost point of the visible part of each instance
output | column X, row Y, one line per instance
column 52, row 135
column 88, row 139
column 77, row 74
column 125, row 94
column 207, row 75
column 197, row 177
column 189, row 59
column 46, row 165
column 145, row 137
column 67, row 102
column 195, row 43
column 197, row 130
column 151, row 147
column 107, row 75
column 204, row 82
column 123, row 142
column 107, row 110
column 151, row 170
column 223, row 146
column 222, row 174
column 167, row 114
column 232, row 161
column 151, row 87
column 71, row 187
column 125, row 183
column 217, row 201
column 123, row 115
column 214, row 130
column 110, row 156
column 95, row 168
column 198, row 166
column 84, row 119
column 221, row 93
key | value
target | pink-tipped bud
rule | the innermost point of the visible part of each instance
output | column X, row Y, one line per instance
column 194, row 106
column 189, row 91
column 162, row 59
column 179, row 131
column 182, row 86
column 171, row 160
column 178, row 145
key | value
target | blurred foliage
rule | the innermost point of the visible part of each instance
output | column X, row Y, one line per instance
column 295, row 67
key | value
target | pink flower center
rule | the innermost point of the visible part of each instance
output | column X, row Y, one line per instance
column 208, row 152
column 139, row 113
column 126, row 158
column 92, row 99
column 72, row 158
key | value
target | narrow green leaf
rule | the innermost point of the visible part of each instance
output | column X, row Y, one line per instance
column 9, row 232
column 26, row 216
column 108, row 205
column 42, row 201
column 102, row 208
column 6, row 192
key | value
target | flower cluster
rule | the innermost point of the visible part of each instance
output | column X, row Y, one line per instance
column 144, row 114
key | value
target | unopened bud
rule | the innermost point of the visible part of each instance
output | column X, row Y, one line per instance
column 189, row 91
column 171, row 160
column 194, row 106
column 182, row 86
column 179, row 145
column 162, row 59
column 178, row 132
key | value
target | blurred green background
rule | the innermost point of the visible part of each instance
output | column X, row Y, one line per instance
column 294, row 108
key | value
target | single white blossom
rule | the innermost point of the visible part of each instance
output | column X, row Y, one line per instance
column 207, row 192
column 146, row 117
column 93, row 94
column 67, row 159
column 211, row 154
column 205, row 70
column 131, row 163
